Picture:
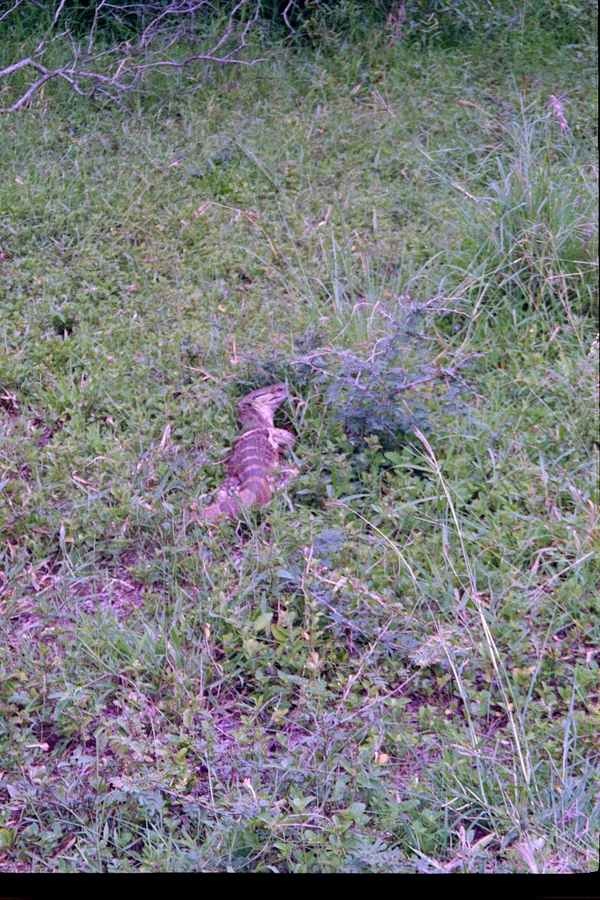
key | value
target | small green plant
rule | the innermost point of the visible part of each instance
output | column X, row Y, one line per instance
column 380, row 396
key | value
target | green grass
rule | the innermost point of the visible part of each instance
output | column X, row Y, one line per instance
column 393, row 667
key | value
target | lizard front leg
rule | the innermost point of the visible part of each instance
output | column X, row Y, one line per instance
column 279, row 438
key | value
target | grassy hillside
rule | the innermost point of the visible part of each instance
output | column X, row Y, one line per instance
column 394, row 666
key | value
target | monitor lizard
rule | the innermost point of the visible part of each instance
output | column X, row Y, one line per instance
column 256, row 454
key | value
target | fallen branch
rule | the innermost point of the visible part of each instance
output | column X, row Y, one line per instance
column 114, row 71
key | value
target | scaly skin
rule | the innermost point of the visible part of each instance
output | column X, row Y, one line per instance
column 256, row 453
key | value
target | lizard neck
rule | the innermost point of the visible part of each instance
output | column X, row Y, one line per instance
column 252, row 418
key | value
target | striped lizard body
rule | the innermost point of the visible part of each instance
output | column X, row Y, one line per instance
column 256, row 454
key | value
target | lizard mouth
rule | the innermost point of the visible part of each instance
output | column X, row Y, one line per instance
column 265, row 400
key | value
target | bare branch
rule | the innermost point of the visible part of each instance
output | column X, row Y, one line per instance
column 21, row 65
column 94, row 25
column 12, row 9
column 285, row 17
column 112, row 71
column 205, row 57
column 154, row 25
column 30, row 91
column 54, row 21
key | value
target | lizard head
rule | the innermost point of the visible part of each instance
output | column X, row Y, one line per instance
column 265, row 400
